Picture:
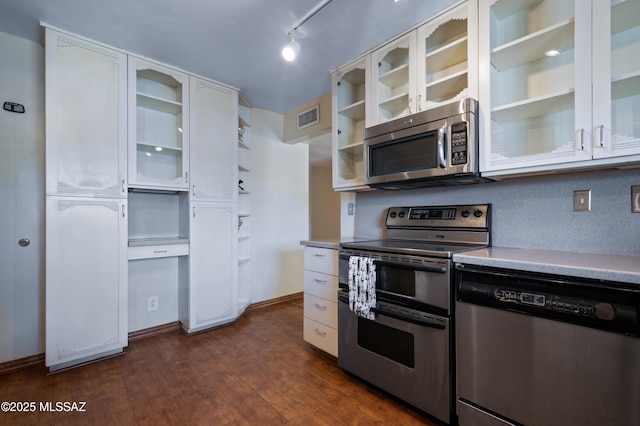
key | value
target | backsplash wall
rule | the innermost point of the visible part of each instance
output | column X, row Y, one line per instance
column 531, row 212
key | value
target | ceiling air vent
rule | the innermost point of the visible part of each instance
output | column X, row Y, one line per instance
column 309, row 117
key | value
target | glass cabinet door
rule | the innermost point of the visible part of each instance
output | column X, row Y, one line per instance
column 616, row 78
column 158, row 126
column 537, row 95
column 393, row 69
column 448, row 57
column 350, row 88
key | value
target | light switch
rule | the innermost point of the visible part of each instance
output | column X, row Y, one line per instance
column 582, row 201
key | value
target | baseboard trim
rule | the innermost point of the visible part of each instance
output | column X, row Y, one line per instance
column 19, row 364
column 154, row 331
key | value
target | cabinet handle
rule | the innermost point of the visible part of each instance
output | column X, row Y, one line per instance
column 123, row 186
column 186, row 177
column 319, row 281
column 194, row 190
column 322, row 308
column 410, row 100
column 419, row 103
column 581, row 131
column 194, row 212
column 123, row 210
column 320, row 332
column 601, row 127
column 319, row 255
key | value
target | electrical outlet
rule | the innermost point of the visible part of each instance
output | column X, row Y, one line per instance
column 152, row 303
column 582, row 201
column 635, row 198
column 350, row 209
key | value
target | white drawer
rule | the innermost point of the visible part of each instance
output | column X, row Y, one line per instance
column 321, row 336
column 322, row 310
column 150, row 252
column 321, row 285
column 321, row 260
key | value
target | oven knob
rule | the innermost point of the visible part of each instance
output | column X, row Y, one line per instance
column 477, row 213
column 401, row 214
column 465, row 213
column 393, row 214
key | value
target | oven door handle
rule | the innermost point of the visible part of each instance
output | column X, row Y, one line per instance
column 434, row 269
column 427, row 322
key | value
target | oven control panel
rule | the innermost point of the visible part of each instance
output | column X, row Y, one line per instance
column 460, row 216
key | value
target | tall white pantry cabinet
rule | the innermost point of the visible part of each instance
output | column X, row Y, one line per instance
column 141, row 166
column 86, row 206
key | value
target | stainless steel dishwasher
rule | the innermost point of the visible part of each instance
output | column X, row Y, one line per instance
column 545, row 350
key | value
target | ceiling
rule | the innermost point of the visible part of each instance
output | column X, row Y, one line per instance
column 237, row 42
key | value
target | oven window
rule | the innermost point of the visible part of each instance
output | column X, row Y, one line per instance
column 403, row 155
column 401, row 281
column 396, row 345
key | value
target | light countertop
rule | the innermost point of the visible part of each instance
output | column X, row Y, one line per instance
column 607, row 267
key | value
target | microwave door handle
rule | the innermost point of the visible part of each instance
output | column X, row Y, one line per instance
column 442, row 136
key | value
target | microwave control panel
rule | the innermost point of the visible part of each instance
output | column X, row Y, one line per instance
column 459, row 151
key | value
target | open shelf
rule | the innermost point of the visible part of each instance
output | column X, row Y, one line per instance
column 355, row 111
column 450, row 87
column 158, row 104
column 533, row 46
column 395, row 77
column 447, row 56
column 533, row 107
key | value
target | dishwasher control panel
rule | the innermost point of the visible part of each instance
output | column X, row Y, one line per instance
column 557, row 303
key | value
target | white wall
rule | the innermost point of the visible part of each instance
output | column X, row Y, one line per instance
column 21, row 199
column 280, row 208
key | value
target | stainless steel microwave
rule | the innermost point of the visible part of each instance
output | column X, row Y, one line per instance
column 434, row 147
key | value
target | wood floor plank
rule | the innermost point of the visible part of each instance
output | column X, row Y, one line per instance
column 257, row 371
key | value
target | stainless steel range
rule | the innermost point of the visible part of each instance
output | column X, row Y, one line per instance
column 407, row 350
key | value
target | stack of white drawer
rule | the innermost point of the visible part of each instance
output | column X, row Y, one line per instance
column 321, row 298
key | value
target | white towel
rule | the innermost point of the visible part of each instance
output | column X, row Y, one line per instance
column 362, row 286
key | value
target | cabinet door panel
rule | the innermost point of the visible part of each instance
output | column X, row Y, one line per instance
column 212, row 264
column 213, row 144
column 86, row 288
column 85, row 118
column 616, row 78
column 158, row 126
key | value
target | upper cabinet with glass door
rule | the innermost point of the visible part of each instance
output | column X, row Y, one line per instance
column 535, row 88
column 447, row 67
column 394, row 82
column 158, row 126
column 616, row 78
column 350, row 85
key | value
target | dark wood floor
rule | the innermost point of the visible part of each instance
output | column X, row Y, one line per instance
column 258, row 371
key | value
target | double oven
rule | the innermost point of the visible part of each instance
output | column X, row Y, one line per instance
column 407, row 350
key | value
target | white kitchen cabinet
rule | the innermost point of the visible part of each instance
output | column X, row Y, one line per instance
column 210, row 298
column 86, row 120
column 447, row 59
column 560, row 84
column 86, row 279
column 616, row 78
column 350, row 85
column 158, row 126
column 320, row 325
column 212, row 149
column 393, row 73
column 434, row 64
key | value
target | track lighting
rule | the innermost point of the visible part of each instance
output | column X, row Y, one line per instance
column 292, row 49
